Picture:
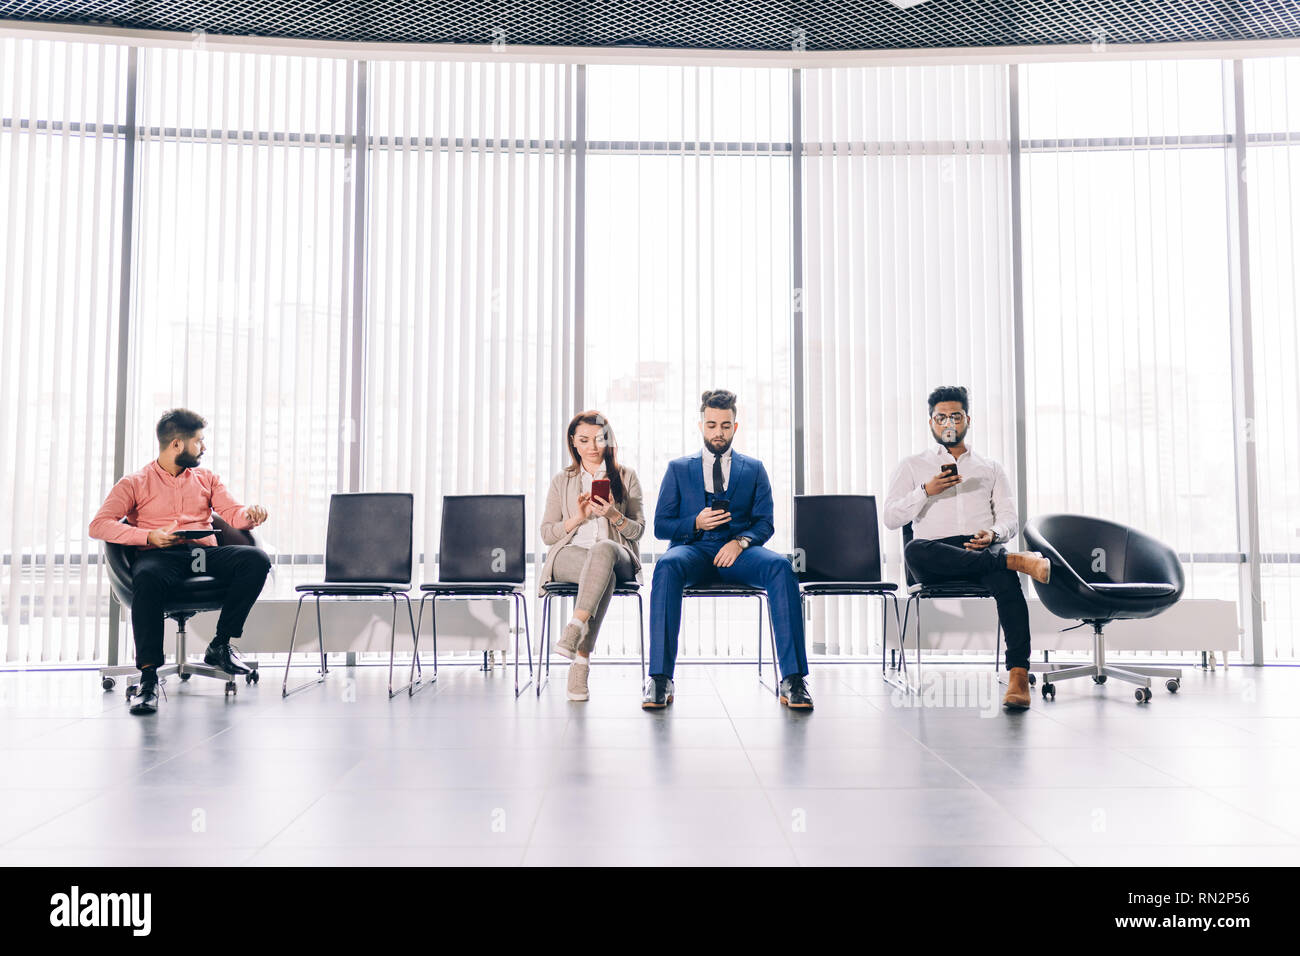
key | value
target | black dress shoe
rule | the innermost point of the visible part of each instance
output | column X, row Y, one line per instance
column 224, row 656
column 794, row 693
column 146, row 698
column 658, row 692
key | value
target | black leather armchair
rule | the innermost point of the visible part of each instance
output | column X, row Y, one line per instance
column 1103, row 571
column 197, row 593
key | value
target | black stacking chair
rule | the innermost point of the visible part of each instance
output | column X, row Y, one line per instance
column 837, row 550
column 481, row 556
column 566, row 589
column 367, row 554
column 197, row 593
column 1139, row 578
column 916, row 593
column 726, row 589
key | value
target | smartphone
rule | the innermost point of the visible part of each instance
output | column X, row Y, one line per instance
column 721, row 504
column 197, row 533
column 949, row 469
column 600, row 488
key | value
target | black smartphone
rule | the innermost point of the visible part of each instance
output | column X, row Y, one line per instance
column 197, row 533
column 949, row 469
column 721, row 504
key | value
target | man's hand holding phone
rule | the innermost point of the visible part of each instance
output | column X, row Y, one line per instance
column 711, row 518
column 163, row 537
column 943, row 481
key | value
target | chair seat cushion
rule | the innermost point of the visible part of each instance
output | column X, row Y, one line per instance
column 847, row 587
column 471, row 587
column 556, row 588
column 720, row 589
column 358, row 588
column 1134, row 589
column 948, row 590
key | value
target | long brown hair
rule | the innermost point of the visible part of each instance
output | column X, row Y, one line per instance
column 593, row 417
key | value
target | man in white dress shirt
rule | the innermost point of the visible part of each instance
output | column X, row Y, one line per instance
column 960, row 517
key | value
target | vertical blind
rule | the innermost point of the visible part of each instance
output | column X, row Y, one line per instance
column 61, row 163
column 688, row 288
column 907, row 282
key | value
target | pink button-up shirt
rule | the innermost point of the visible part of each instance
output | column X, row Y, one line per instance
column 152, row 499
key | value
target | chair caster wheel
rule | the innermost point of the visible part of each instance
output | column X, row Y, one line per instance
column 185, row 677
column 1143, row 695
column 251, row 677
column 230, row 688
column 1173, row 684
column 1049, row 691
column 132, row 690
column 1099, row 678
column 108, row 683
column 1032, row 679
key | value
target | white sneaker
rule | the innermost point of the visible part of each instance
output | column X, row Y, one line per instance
column 567, row 645
column 578, row 671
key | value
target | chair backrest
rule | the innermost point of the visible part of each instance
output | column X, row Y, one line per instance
column 120, row 558
column 837, row 537
column 368, row 539
column 1106, row 552
column 907, row 539
column 482, row 539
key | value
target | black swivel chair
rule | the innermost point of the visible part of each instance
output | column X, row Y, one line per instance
column 481, row 555
column 197, row 593
column 566, row 589
column 923, row 592
column 1101, row 572
column 367, row 554
column 837, row 550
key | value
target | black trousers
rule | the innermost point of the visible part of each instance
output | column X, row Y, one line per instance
column 941, row 560
column 157, row 573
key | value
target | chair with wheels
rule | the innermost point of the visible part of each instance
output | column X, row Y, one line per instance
column 1103, row 571
column 196, row 594
column 567, row 589
column 367, row 555
column 837, row 546
column 481, row 555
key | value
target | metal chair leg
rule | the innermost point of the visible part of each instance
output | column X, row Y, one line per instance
column 528, row 634
column 417, row 673
column 320, row 635
column 640, row 633
column 544, row 645
column 518, row 690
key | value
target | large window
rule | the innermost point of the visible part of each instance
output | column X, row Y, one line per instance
column 407, row 276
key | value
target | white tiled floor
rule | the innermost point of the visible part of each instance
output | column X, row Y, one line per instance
column 465, row 774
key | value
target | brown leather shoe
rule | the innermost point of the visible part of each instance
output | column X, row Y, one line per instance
column 1031, row 563
column 1017, row 696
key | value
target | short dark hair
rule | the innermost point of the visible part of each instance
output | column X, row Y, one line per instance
column 718, row 398
column 949, row 393
column 178, row 423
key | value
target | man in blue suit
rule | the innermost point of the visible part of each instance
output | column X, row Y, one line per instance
column 708, row 544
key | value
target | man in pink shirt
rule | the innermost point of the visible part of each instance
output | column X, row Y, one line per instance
column 174, row 494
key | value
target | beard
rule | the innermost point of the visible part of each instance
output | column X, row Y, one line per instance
column 718, row 449
column 186, row 460
column 949, row 436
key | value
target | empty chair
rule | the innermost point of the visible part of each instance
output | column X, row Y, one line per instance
column 195, row 594
column 837, row 550
column 1101, row 572
column 367, row 555
column 481, row 556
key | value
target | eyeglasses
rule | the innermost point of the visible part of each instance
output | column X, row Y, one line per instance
column 956, row 418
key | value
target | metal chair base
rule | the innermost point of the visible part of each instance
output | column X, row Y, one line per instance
column 520, row 604
column 544, row 639
column 416, row 667
column 180, row 667
column 1137, row 674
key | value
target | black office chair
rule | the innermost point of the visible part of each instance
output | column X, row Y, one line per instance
column 197, row 593
column 837, row 552
column 367, row 554
column 927, row 592
column 566, row 589
column 1102, row 572
column 481, row 555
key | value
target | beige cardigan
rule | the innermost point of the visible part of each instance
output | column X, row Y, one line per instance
column 562, row 503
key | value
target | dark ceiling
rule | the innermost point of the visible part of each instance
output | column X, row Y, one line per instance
column 695, row 24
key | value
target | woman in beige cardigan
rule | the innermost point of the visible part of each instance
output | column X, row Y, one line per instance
column 592, row 541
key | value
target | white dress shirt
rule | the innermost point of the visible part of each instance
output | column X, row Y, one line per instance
column 707, row 458
column 595, row 527
column 981, row 501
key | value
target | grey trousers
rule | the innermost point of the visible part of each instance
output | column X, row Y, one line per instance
column 593, row 570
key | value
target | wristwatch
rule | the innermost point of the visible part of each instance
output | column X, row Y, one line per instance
column 744, row 542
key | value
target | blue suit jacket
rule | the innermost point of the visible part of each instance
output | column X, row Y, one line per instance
column 681, row 498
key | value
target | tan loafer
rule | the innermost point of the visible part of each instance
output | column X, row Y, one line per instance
column 1031, row 563
column 1017, row 696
